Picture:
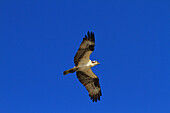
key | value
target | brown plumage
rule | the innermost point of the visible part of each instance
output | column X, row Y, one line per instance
column 83, row 66
column 92, row 85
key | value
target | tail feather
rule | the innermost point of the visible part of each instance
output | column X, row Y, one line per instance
column 72, row 70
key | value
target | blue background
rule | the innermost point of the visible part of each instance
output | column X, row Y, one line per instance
column 38, row 41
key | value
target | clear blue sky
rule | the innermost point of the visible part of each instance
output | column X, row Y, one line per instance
column 38, row 41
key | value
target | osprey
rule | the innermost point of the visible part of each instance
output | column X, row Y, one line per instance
column 83, row 66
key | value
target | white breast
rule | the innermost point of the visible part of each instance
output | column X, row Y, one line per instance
column 88, row 64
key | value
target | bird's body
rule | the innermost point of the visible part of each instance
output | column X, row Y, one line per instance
column 83, row 66
column 87, row 65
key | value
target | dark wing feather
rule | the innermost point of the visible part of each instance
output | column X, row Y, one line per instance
column 86, row 48
column 91, row 83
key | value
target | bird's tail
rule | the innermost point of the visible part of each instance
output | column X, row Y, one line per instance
column 72, row 70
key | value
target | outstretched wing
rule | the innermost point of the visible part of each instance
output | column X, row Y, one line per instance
column 91, row 82
column 86, row 48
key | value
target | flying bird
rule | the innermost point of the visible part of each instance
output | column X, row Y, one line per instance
column 83, row 66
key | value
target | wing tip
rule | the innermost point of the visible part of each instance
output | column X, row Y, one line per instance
column 96, row 97
column 91, row 36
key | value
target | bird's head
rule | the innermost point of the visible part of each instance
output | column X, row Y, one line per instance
column 95, row 63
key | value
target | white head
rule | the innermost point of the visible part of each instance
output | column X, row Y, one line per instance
column 95, row 63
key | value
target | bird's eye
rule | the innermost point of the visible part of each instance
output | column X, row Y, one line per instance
column 93, row 61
